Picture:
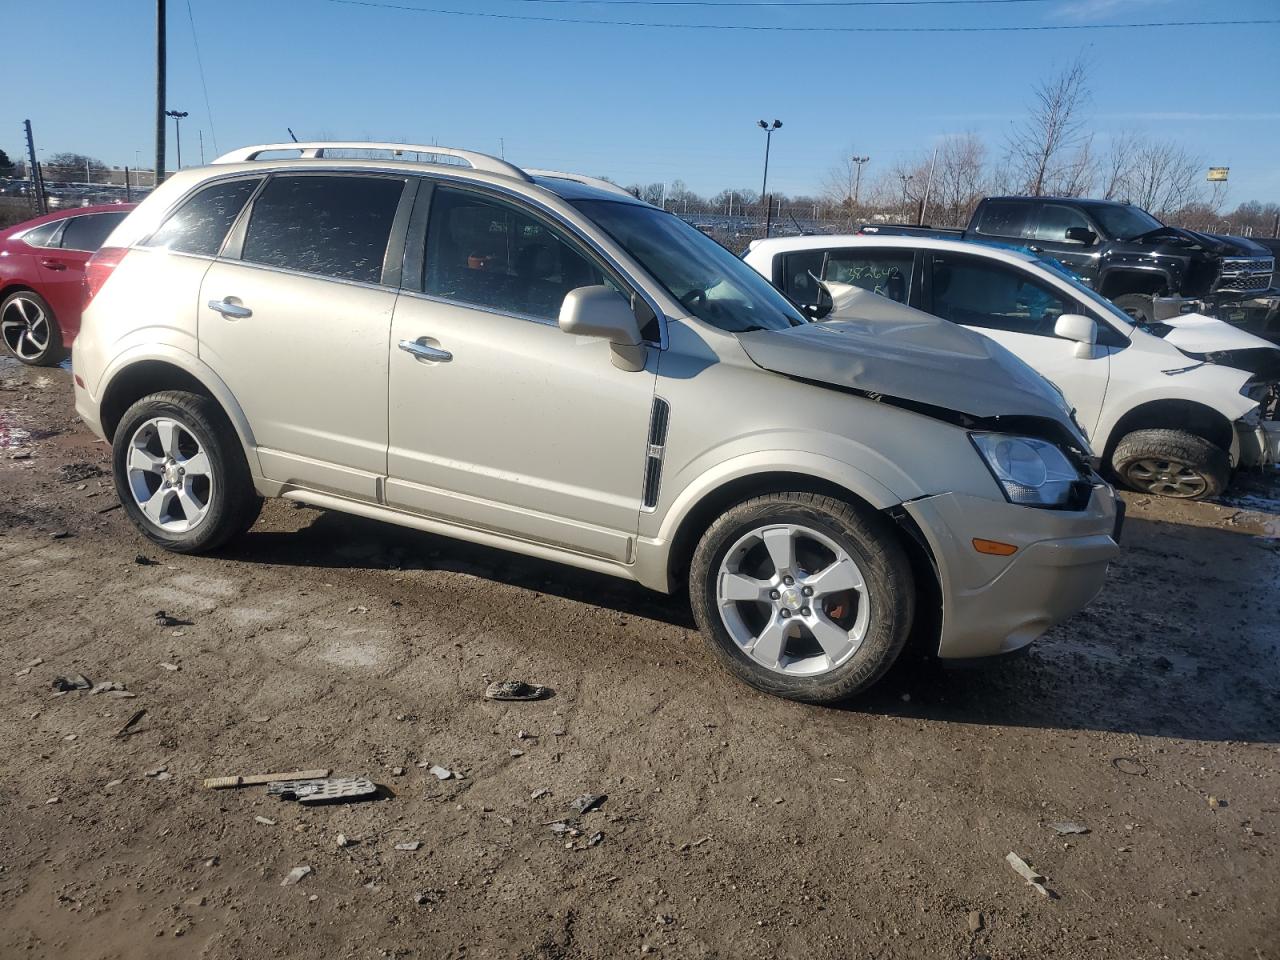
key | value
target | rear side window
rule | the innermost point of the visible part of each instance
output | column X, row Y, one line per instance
column 200, row 225
column 332, row 226
column 886, row 272
column 89, row 232
column 1003, row 218
column 487, row 253
column 798, row 276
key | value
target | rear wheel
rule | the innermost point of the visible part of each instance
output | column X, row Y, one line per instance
column 1171, row 463
column 30, row 330
column 803, row 596
column 180, row 472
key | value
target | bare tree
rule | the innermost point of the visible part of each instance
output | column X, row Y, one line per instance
column 1163, row 176
column 72, row 166
column 842, row 186
column 1116, row 168
column 958, row 179
column 1044, row 149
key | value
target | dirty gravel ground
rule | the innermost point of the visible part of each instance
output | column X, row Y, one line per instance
column 735, row 826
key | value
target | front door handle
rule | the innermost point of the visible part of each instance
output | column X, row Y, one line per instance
column 53, row 265
column 230, row 309
column 422, row 351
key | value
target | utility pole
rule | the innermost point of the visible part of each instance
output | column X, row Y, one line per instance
column 37, row 178
column 178, row 117
column 928, row 185
column 764, row 186
column 158, row 175
column 200, row 133
column 857, row 185
column 128, row 191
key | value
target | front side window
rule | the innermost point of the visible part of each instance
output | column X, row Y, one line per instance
column 334, row 226
column 88, row 233
column 1056, row 220
column 994, row 296
column 1124, row 222
column 1003, row 218
column 488, row 253
column 708, row 280
column 800, row 272
column 886, row 272
column 200, row 225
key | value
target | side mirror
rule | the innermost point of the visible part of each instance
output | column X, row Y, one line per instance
column 1083, row 330
column 604, row 313
column 1081, row 235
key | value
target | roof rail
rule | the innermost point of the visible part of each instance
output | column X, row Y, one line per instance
column 315, row 149
column 586, row 181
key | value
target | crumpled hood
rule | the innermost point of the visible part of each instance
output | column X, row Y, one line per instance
column 875, row 345
column 1196, row 333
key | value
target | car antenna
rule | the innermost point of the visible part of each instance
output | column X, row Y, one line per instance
column 803, row 231
column 291, row 134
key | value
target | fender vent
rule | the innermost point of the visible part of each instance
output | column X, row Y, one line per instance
column 658, row 421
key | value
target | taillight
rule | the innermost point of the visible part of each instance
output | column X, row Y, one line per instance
column 99, row 268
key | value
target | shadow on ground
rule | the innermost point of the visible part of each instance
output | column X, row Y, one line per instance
column 1181, row 643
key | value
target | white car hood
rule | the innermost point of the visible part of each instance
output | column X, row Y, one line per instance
column 1196, row 333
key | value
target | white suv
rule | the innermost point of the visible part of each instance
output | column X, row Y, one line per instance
column 538, row 361
column 1169, row 406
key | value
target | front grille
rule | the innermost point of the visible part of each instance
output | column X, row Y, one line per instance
column 1244, row 274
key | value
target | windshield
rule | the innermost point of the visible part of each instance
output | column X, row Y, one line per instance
column 1088, row 295
column 1124, row 222
column 708, row 280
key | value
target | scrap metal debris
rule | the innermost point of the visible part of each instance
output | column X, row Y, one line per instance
column 165, row 620
column 128, row 724
column 265, row 821
column 409, row 845
column 1024, row 870
column 323, row 790
column 258, row 779
column 588, row 802
column 143, row 560
column 77, row 681
column 296, row 874
column 443, row 773
column 516, row 690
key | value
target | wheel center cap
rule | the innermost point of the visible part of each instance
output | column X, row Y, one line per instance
column 791, row 598
column 172, row 475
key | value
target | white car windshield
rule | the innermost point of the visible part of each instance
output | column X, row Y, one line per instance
column 708, row 280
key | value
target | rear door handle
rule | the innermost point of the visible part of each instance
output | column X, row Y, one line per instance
column 53, row 265
column 230, row 309
column 423, row 352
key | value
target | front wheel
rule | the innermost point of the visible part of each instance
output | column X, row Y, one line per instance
column 1171, row 463
column 180, row 472
column 803, row 596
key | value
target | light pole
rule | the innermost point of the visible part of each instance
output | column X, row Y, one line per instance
column 764, row 187
column 857, row 184
column 178, row 116
column 905, row 178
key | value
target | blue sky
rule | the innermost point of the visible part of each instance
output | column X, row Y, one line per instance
column 641, row 103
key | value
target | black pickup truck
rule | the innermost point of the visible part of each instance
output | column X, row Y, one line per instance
column 1150, row 270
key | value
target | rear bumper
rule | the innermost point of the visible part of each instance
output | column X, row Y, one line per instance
column 993, row 605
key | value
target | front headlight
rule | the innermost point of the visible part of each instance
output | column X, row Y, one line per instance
column 1030, row 471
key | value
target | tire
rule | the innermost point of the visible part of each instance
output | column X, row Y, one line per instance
column 874, row 620
column 1171, row 463
column 192, row 505
column 30, row 330
column 1140, row 306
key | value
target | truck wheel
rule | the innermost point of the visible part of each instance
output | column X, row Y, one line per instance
column 803, row 596
column 180, row 472
column 1140, row 306
column 1171, row 463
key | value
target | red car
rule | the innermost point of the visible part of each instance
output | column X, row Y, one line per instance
column 41, row 279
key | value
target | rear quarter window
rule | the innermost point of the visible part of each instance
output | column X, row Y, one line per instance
column 89, row 232
column 200, row 225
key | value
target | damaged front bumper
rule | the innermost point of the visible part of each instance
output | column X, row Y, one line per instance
column 1258, row 441
column 993, row 605
column 1259, row 313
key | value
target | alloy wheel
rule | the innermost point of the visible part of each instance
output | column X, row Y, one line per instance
column 793, row 599
column 1166, row 478
column 169, row 474
column 25, row 328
